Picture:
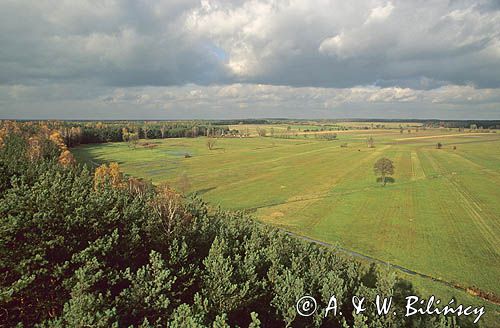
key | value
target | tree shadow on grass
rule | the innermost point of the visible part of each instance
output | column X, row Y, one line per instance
column 202, row 191
column 387, row 180
column 219, row 148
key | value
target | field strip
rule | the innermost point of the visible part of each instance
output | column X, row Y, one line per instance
column 489, row 171
column 253, row 162
column 472, row 208
column 277, row 159
column 455, row 228
column 470, row 203
column 441, row 136
column 284, row 158
column 416, row 168
column 349, row 172
column 472, row 198
column 325, row 195
column 446, row 208
column 474, row 141
column 412, row 197
column 354, row 131
column 330, row 194
column 391, row 265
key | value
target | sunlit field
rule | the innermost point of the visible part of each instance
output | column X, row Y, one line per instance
column 318, row 126
column 440, row 215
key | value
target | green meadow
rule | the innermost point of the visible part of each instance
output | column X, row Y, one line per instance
column 439, row 217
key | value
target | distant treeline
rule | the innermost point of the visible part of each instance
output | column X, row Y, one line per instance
column 82, row 248
column 245, row 121
column 475, row 124
column 87, row 132
column 466, row 124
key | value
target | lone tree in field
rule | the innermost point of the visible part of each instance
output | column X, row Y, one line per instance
column 163, row 129
column 133, row 139
column 439, row 145
column 146, row 130
column 370, row 142
column 383, row 167
column 211, row 143
column 261, row 132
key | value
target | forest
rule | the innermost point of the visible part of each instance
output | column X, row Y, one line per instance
column 92, row 247
column 88, row 132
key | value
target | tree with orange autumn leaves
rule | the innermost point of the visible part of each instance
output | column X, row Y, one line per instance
column 65, row 158
column 108, row 174
column 8, row 127
column 111, row 174
column 35, row 136
column 167, row 203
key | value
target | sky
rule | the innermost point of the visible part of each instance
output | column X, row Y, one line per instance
column 218, row 59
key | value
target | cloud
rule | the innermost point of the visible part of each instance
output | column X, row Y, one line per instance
column 248, row 100
column 301, row 43
column 342, row 44
column 109, row 42
column 370, row 51
column 380, row 13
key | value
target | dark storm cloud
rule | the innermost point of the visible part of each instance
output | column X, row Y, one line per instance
column 109, row 42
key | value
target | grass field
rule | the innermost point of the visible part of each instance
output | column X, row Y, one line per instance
column 322, row 126
column 440, row 217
